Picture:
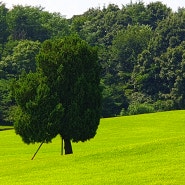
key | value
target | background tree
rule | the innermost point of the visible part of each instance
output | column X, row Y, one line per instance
column 135, row 13
column 159, row 70
column 26, row 23
column 63, row 97
column 138, row 46
column 20, row 58
column 172, row 76
column 55, row 24
column 156, row 12
column 3, row 27
column 126, row 47
column 5, row 102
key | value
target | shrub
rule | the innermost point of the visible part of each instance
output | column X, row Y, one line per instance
column 134, row 109
column 164, row 105
column 123, row 112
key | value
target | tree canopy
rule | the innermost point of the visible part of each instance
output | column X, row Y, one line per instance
column 140, row 50
column 63, row 96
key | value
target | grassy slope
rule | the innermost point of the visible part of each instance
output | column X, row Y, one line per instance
column 143, row 149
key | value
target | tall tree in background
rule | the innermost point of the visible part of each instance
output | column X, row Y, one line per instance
column 3, row 27
column 26, row 23
column 156, row 12
column 62, row 97
column 21, row 58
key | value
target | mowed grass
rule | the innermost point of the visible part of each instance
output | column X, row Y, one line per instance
column 143, row 149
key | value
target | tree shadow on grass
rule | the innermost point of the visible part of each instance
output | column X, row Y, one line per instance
column 5, row 128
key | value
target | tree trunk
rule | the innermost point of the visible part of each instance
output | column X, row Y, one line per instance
column 62, row 146
column 67, row 146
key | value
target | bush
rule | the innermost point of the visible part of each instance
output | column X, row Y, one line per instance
column 123, row 112
column 164, row 105
column 134, row 109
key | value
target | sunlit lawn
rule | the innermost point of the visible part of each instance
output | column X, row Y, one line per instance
column 143, row 149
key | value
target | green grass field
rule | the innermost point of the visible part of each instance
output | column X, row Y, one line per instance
column 135, row 150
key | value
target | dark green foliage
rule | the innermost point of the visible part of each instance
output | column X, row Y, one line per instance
column 33, row 23
column 134, row 109
column 156, row 12
column 136, row 13
column 6, row 102
column 140, row 49
column 126, row 47
column 63, row 97
column 114, row 100
column 164, row 105
column 25, row 23
column 3, row 27
column 20, row 58
column 76, row 82
column 37, row 116
column 172, row 74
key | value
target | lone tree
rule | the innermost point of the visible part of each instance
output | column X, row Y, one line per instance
column 62, row 97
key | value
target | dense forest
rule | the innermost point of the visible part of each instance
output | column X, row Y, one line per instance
column 141, row 50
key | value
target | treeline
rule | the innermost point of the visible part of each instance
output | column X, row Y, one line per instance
column 141, row 51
